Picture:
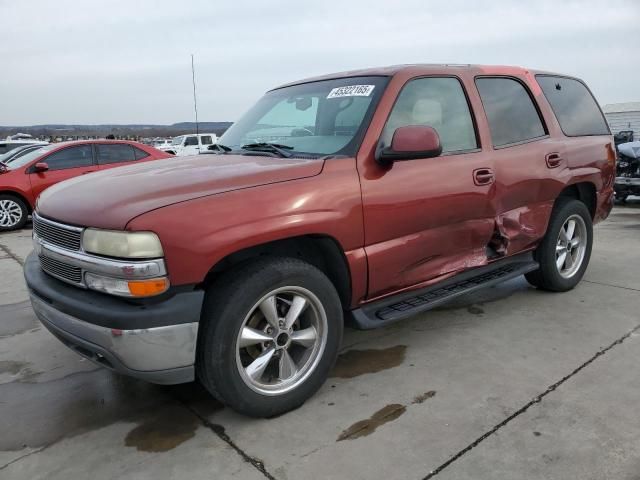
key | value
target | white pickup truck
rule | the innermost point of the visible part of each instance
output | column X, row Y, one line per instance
column 191, row 144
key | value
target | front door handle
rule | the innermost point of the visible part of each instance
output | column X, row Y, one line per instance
column 483, row 176
column 553, row 160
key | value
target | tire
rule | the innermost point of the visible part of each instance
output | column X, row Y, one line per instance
column 226, row 359
column 13, row 213
column 558, row 273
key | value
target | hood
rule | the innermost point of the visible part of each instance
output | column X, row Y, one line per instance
column 112, row 198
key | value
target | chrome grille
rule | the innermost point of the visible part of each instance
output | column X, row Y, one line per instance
column 57, row 234
column 61, row 270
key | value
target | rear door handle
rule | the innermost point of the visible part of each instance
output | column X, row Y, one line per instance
column 553, row 160
column 483, row 176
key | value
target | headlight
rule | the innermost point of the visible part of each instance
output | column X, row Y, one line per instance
column 121, row 244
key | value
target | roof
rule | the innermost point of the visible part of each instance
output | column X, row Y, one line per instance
column 418, row 68
column 621, row 107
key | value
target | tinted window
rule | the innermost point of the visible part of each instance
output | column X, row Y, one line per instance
column 206, row 140
column 72, row 157
column 439, row 103
column 139, row 153
column 574, row 106
column 114, row 154
column 191, row 141
column 511, row 113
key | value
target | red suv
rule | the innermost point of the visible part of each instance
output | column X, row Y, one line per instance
column 370, row 195
column 22, row 180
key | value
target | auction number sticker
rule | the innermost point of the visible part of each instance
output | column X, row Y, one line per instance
column 351, row 91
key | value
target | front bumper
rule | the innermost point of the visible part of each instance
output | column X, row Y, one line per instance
column 132, row 339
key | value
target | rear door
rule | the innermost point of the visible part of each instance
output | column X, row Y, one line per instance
column 205, row 141
column 529, row 163
column 63, row 164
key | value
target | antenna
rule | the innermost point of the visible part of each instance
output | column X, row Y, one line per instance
column 195, row 102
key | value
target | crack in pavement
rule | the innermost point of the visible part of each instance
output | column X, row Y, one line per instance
column 37, row 450
column 612, row 286
column 222, row 435
column 526, row 407
column 8, row 251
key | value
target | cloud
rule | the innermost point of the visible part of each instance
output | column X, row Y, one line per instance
column 129, row 62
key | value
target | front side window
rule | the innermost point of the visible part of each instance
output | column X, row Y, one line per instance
column 512, row 116
column 313, row 119
column 191, row 141
column 71, row 157
column 439, row 103
column 114, row 154
column 573, row 105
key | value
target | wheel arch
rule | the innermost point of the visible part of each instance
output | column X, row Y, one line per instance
column 583, row 191
column 322, row 251
column 20, row 196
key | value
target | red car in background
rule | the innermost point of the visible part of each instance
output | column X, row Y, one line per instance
column 25, row 178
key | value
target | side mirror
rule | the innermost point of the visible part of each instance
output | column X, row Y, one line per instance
column 40, row 167
column 410, row 142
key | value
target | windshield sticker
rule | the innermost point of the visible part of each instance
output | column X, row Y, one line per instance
column 351, row 91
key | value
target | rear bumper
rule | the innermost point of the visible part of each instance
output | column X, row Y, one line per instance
column 134, row 340
column 627, row 186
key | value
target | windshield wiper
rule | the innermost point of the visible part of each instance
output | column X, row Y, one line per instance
column 277, row 148
column 219, row 147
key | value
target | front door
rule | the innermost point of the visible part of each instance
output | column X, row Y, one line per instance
column 191, row 146
column 428, row 218
column 63, row 164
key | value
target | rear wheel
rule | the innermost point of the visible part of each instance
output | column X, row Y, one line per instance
column 565, row 251
column 269, row 336
column 13, row 213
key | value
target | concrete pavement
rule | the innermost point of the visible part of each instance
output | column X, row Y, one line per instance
column 505, row 383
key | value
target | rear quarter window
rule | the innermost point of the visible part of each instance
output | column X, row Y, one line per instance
column 573, row 105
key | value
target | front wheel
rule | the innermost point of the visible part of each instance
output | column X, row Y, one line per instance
column 270, row 334
column 13, row 213
column 565, row 250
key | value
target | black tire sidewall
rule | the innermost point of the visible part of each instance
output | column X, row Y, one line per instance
column 227, row 304
column 549, row 277
column 23, row 207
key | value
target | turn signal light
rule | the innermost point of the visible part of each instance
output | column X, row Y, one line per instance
column 147, row 288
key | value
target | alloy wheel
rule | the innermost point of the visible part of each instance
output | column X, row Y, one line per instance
column 281, row 340
column 10, row 213
column 571, row 246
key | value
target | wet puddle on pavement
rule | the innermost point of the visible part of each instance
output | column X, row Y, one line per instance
column 164, row 432
column 367, row 427
column 353, row 363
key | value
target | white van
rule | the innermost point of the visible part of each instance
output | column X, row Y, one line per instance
column 191, row 144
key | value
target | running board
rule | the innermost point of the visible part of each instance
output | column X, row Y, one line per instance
column 389, row 310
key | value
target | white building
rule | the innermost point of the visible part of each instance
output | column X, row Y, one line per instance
column 623, row 116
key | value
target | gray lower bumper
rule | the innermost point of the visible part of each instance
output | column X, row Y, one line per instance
column 163, row 355
column 629, row 181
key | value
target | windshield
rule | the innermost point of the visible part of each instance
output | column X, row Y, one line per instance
column 177, row 140
column 317, row 118
column 29, row 157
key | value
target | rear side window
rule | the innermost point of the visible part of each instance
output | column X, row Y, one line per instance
column 72, row 157
column 206, row 140
column 574, row 106
column 115, row 154
column 139, row 153
column 439, row 103
column 511, row 113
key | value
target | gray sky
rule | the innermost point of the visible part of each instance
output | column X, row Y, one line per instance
column 129, row 61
